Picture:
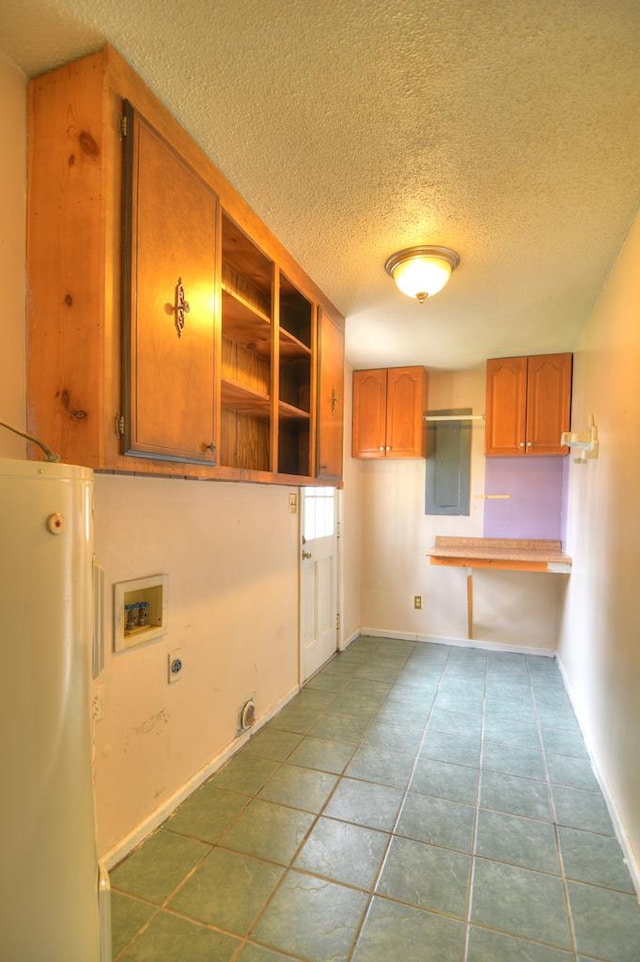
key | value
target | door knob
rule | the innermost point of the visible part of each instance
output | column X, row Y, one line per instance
column 305, row 555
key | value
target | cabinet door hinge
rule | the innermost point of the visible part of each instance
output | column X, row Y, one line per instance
column 119, row 425
column 123, row 126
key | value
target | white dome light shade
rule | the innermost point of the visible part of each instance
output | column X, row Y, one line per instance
column 421, row 272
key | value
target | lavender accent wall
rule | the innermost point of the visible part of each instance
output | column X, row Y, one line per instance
column 537, row 504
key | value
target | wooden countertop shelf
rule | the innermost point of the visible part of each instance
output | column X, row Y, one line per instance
column 511, row 554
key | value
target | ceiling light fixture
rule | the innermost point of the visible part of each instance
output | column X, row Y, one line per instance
column 421, row 272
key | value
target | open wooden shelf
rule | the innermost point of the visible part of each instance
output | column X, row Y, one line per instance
column 238, row 397
column 291, row 347
column 296, row 313
column 245, row 323
column 289, row 412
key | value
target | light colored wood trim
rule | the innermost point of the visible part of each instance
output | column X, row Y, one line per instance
column 275, row 366
column 66, row 257
column 469, row 603
column 465, row 561
column 314, row 425
column 528, row 544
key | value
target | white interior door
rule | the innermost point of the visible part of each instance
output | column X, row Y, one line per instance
column 318, row 578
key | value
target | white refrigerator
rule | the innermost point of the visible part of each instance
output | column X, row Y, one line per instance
column 52, row 894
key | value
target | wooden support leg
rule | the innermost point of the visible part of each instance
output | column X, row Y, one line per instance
column 470, row 602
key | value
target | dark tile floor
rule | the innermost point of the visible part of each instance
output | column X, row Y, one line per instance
column 414, row 802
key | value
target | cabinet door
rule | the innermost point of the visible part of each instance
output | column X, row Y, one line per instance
column 369, row 413
column 406, row 407
column 169, row 253
column 330, row 397
column 506, row 406
column 548, row 403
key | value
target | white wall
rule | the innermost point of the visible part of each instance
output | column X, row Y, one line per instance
column 231, row 553
column 510, row 608
column 600, row 640
column 13, row 103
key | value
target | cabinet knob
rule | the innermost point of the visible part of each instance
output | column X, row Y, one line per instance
column 529, row 444
column 521, row 445
column 210, row 447
column 381, row 448
column 388, row 447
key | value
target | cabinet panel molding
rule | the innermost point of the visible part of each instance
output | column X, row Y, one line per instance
column 406, row 407
column 389, row 405
column 369, row 413
column 168, row 301
column 548, row 402
column 528, row 405
column 330, row 397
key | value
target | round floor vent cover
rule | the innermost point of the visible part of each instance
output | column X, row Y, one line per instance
column 247, row 715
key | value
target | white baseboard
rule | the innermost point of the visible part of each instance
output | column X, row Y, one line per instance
column 347, row 641
column 459, row 642
column 618, row 825
column 127, row 844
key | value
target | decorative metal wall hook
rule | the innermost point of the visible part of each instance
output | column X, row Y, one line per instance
column 181, row 307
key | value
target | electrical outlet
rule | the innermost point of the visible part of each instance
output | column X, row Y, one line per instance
column 97, row 704
column 176, row 665
column 417, row 601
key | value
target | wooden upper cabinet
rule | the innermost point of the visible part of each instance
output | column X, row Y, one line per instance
column 389, row 405
column 170, row 222
column 528, row 405
column 548, row 403
column 369, row 414
column 168, row 330
column 330, row 397
column 406, row 408
column 506, row 406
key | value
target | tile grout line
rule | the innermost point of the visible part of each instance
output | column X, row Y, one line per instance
column 383, row 862
column 474, row 840
column 290, row 866
column 164, row 904
column 565, row 888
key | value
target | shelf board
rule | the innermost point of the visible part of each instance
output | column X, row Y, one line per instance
column 243, row 256
column 290, row 346
column 237, row 397
column 245, row 323
column 288, row 412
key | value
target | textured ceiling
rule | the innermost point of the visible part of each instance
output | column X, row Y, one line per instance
column 508, row 131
